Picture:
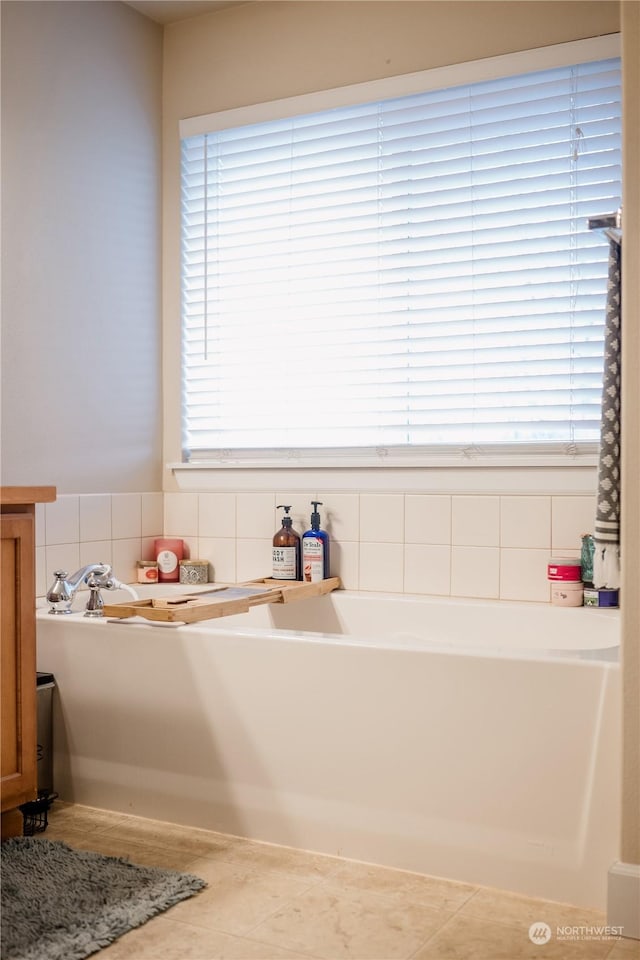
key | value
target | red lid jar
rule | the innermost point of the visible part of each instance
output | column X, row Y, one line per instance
column 567, row 569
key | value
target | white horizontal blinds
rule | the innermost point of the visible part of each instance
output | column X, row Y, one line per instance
column 411, row 272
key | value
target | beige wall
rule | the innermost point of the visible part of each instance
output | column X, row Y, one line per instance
column 81, row 122
column 267, row 50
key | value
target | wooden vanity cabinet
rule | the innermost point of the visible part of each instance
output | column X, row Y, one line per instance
column 18, row 705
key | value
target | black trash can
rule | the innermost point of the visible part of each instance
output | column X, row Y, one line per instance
column 46, row 685
column 35, row 812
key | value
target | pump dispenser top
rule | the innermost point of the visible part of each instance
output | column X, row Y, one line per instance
column 286, row 520
column 315, row 516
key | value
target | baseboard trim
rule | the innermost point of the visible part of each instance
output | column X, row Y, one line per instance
column 623, row 897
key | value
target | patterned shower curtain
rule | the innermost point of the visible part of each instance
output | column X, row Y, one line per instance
column 606, row 534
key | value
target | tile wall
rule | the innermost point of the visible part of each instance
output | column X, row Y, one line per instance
column 114, row 528
column 466, row 546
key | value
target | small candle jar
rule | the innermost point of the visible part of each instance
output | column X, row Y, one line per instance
column 169, row 552
column 147, row 571
column 194, row 571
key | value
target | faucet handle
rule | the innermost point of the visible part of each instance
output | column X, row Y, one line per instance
column 58, row 595
column 95, row 602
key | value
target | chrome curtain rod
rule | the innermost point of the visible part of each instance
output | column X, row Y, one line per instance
column 611, row 223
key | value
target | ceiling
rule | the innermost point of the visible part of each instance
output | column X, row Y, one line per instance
column 168, row 11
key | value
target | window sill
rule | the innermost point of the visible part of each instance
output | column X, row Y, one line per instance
column 469, row 470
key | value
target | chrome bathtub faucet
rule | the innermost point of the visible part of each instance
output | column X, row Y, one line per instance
column 61, row 593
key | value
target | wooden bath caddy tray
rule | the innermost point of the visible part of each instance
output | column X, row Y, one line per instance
column 219, row 601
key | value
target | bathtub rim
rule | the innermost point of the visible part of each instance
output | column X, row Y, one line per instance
column 608, row 656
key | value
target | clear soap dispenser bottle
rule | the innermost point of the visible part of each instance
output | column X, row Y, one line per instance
column 315, row 549
column 286, row 550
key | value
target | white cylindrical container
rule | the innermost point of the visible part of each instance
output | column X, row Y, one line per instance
column 567, row 594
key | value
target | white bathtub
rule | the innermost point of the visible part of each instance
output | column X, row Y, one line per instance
column 466, row 739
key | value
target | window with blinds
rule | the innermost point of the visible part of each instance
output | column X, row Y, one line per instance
column 411, row 273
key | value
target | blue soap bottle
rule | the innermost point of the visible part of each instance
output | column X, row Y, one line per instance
column 315, row 549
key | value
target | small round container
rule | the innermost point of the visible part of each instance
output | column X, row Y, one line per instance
column 194, row 571
column 608, row 598
column 567, row 594
column 147, row 571
column 565, row 569
column 600, row 598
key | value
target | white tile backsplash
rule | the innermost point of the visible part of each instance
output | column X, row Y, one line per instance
column 191, row 548
column 221, row 554
column 427, row 568
column 255, row 516
column 382, row 518
column 125, row 554
column 62, row 556
column 475, row 521
column 96, row 551
column 382, row 567
column 475, row 572
column 217, row 515
column 344, row 562
column 42, row 577
column 126, row 516
column 571, row 518
column 152, row 509
column 181, row 514
column 40, row 534
column 95, row 517
column 300, row 512
column 147, row 548
column 523, row 575
column 525, row 522
column 341, row 516
column 253, row 559
column 62, row 520
column 427, row 519
column 441, row 544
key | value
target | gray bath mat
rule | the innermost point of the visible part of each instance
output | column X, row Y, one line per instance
column 64, row 904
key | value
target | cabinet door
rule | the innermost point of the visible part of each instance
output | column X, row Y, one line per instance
column 18, row 661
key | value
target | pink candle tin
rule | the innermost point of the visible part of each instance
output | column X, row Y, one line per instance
column 169, row 552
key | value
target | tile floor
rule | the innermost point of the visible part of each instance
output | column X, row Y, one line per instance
column 265, row 902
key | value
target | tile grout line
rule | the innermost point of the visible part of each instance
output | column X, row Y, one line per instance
column 282, row 906
column 105, row 830
column 449, row 919
column 245, row 935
